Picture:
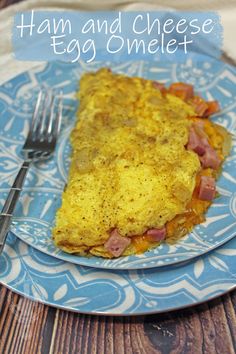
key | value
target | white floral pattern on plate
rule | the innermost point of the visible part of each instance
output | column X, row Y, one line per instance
column 40, row 199
column 47, row 279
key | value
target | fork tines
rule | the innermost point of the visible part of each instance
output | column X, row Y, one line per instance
column 46, row 121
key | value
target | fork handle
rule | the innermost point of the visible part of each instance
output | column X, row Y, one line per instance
column 10, row 203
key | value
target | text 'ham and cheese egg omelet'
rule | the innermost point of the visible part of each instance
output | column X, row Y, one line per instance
column 143, row 166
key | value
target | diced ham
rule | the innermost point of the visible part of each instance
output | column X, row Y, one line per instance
column 199, row 124
column 182, row 90
column 196, row 143
column 116, row 244
column 156, row 235
column 213, row 107
column 159, row 86
column 210, row 159
column 199, row 129
column 207, row 188
column 199, row 144
column 200, row 106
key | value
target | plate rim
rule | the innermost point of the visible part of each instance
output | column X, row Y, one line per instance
column 100, row 266
column 188, row 302
column 104, row 314
column 118, row 267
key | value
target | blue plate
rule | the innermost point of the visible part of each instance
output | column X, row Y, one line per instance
column 54, row 282
column 35, row 213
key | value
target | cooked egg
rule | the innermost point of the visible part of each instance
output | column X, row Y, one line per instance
column 130, row 169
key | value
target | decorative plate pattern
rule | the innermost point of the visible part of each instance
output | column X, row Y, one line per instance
column 40, row 199
column 116, row 292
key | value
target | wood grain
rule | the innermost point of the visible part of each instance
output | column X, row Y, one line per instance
column 30, row 327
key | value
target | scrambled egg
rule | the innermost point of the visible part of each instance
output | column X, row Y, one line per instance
column 130, row 169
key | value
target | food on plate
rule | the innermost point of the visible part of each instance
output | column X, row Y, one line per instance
column 143, row 168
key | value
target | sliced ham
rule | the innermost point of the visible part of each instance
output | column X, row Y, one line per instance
column 207, row 188
column 199, row 124
column 200, row 106
column 116, row 244
column 159, row 86
column 199, row 144
column 210, row 159
column 156, row 235
column 196, row 143
column 213, row 107
column 182, row 90
column 199, row 129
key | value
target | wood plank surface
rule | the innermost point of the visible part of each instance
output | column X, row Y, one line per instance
column 30, row 327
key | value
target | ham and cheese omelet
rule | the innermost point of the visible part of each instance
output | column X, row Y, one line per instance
column 143, row 168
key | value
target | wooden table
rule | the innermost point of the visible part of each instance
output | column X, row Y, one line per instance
column 30, row 327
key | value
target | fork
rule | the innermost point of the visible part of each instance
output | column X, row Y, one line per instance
column 39, row 145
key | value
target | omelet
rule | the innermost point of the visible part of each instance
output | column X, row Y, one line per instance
column 130, row 173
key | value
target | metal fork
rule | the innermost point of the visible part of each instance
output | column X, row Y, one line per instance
column 39, row 145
